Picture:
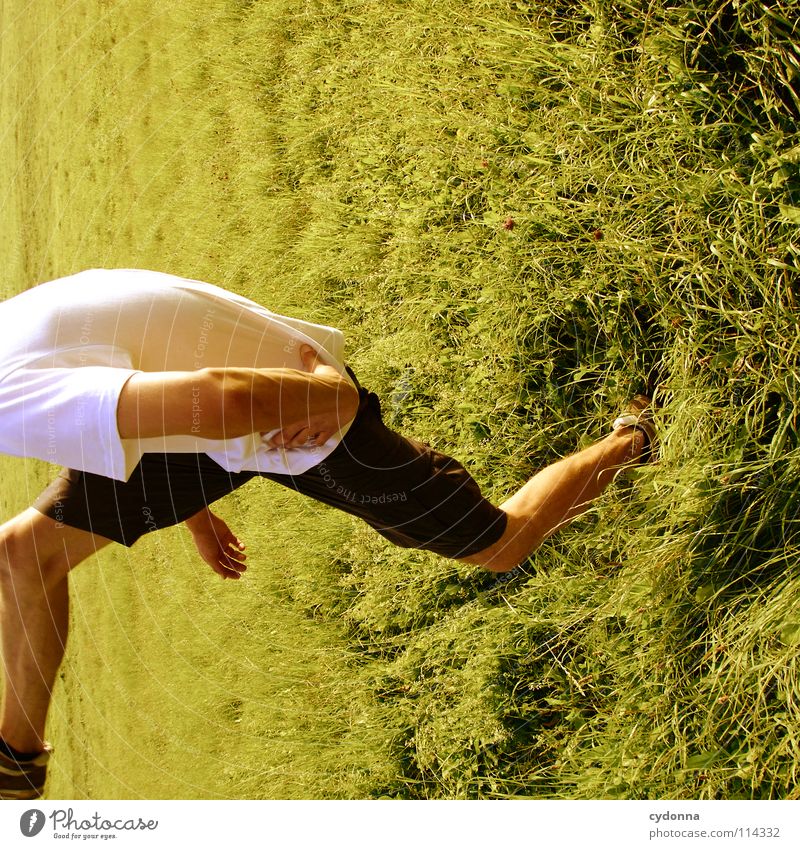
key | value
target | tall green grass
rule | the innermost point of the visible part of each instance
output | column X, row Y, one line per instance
column 520, row 214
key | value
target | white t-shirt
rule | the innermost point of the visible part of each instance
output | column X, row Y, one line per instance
column 69, row 346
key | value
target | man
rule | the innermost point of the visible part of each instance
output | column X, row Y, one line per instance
column 160, row 395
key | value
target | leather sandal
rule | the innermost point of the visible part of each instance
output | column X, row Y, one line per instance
column 23, row 779
column 639, row 415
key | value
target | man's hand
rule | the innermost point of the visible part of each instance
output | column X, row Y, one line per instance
column 314, row 429
column 217, row 544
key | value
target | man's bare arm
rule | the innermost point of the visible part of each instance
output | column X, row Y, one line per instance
column 223, row 403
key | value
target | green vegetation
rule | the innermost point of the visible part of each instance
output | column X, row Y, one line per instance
column 519, row 212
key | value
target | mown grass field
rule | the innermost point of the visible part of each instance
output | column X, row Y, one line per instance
column 519, row 213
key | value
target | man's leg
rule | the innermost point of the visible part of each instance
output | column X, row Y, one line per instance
column 556, row 495
column 36, row 554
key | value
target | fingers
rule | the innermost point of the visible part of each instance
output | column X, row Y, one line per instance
column 299, row 437
column 231, row 544
column 237, row 554
column 290, row 437
column 230, row 562
column 229, row 559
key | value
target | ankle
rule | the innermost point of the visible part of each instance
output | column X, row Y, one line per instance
column 19, row 754
column 631, row 442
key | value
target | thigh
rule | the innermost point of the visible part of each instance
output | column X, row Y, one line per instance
column 411, row 494
column 163, row 490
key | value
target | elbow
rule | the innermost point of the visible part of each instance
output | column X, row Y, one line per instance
column 348, row 401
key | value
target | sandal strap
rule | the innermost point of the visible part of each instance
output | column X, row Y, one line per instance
column 640, row 420
column 625, row 421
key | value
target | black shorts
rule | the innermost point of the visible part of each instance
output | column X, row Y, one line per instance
column 412, row 495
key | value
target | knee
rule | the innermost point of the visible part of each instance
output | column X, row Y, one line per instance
column 504, row 560
column 514, row 547
column 500, row 564
column 22, row 563
column 9, row 548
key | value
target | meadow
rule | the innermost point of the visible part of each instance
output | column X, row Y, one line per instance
column 520, row 213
